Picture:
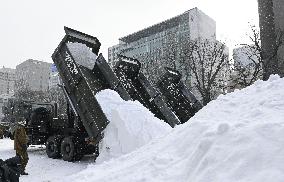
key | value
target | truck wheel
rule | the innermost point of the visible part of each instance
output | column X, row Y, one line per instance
column 71, row 149
column 53, row 147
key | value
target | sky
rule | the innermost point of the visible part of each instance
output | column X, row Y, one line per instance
column 32, row 29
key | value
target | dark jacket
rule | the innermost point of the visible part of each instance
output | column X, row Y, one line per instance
column 10, row 169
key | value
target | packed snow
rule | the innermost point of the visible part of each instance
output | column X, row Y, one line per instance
column 238, row 137
column 40, row 167
column 131, row 126
column 82, row 54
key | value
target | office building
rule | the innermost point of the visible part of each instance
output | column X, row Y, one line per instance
column 7, row 81
column 33, row 74
column 191, row 24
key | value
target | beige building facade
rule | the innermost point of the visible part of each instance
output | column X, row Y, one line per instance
column 7, row 80
column 33, row 74
column 191, row 24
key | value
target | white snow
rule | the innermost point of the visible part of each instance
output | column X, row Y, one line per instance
column 131, row 126
column 173, row 72
column 130, row 61
column 237, row 138
column 40, row 167
column 82, row 54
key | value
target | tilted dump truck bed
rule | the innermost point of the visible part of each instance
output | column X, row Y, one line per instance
column 82, row 83
column 178, row 97
column 139, row 88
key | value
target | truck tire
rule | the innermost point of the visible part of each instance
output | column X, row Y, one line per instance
column 71, row 149
column 53, row 147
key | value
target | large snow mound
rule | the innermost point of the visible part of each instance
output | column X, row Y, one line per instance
column 131, row 126
column 238, row 137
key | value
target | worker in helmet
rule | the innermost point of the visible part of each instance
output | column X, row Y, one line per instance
column 21, row 145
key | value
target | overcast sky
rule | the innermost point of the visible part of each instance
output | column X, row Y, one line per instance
column 34, row 28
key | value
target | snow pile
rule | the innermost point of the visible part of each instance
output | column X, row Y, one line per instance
column 238, row 137
column 131, row 126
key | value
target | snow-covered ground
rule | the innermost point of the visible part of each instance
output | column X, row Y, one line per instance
column 237, row 138
column 40, row 167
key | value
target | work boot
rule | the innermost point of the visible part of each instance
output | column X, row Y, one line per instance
column 24, row 173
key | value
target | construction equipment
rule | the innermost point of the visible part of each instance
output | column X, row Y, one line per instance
column 178, row 97
column 80, row 87
column 139, row 88
column 16, row 110
column 84, row 73
column 78, row 134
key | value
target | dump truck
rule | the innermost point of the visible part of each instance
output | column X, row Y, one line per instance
column 178, row 97
column 128, row 70
column 81, row 82
column 22, row 110
column 84, row 72
column 78, row 134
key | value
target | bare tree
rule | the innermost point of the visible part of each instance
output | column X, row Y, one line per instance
column 248, row 65
column 204, row 64
column 209, row 66
column 246, row 73
column 24, row 92
column 56, row 95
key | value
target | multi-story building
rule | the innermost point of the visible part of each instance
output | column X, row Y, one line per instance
column 4, row 99
column 7, row 81
column 172, row 36
column 33, row 74
column 7, row 85
column 191, row 24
